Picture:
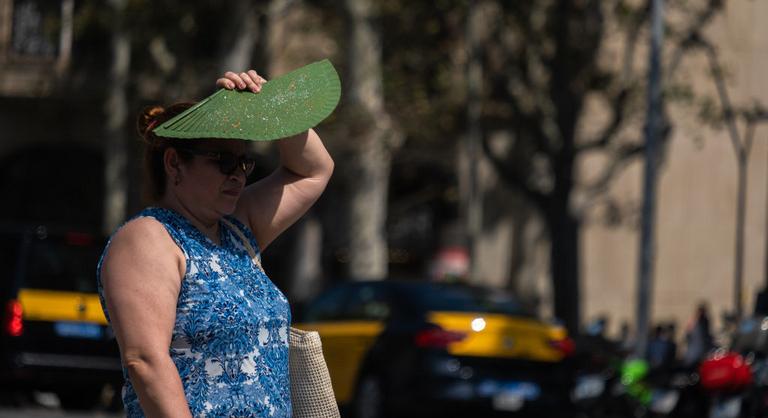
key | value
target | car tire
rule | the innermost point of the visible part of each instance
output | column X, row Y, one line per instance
column 369, row 398
column 15, row 397
column 82, row 398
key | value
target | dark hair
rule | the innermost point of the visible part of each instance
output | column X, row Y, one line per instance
column 154, row 146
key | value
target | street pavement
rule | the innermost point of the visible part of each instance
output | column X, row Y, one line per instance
column 44, row 405
column 43, row 412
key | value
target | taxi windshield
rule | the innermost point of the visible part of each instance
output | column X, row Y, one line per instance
column 61, row 263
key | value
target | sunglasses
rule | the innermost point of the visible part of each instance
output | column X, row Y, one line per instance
column 228, row 163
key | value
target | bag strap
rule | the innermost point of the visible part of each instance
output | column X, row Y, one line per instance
column 255, row 258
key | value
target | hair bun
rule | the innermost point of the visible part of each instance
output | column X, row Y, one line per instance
column 148, row 117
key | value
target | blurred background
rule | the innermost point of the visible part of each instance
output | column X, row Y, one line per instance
column 497, row 143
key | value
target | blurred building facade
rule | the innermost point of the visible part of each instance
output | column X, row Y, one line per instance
column 51, row 159
column 697, row 196
column 696, row 211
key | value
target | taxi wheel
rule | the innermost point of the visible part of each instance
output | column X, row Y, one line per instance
column 369, row 400
column 15, row 398
column 81, row 398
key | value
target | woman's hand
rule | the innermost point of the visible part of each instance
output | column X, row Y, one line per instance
column 249, row 79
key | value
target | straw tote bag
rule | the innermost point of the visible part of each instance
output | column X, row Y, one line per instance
column 311, row 391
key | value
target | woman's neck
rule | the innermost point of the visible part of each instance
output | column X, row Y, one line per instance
column 208, row 225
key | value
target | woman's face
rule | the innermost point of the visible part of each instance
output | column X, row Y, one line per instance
column 203, row 187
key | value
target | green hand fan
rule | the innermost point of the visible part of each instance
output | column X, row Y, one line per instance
column 286, row 106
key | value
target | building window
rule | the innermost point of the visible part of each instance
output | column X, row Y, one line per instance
column 36, row 28
column 35, row 37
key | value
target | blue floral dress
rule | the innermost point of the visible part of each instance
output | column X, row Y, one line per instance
column 230, row 338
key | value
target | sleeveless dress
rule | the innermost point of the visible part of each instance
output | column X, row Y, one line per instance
column 230, row 337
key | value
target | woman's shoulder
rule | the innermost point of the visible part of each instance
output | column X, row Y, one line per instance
column 143, row 235
column 150, row 222
column 142, row 241
column 143, row 226
column 141, row 249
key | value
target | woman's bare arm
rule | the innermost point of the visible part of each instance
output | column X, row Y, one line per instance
column 141, row 276
column 274, row 203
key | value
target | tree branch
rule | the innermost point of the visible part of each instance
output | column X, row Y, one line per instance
column 529, row 122
column 619, row 101
column 729, row 115
column 621, row 160
column 514, row 178
column 604, row 139
column 692, row 36
column 632, row 35
column 691, row 39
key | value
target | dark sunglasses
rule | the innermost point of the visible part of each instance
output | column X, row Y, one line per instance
column 228, row 163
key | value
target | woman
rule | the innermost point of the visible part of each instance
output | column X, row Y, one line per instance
column 202, row 330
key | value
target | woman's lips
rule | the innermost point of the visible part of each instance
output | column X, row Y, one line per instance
column 232, row 192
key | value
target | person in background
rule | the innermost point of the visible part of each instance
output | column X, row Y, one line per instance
column 598, row 327
column 761, row 303
column 661, row 347
column 625, row 341
column 698, row 336
column 670, row 331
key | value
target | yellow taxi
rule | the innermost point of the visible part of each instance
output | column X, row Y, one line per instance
column 429, row 348
column 53, row 335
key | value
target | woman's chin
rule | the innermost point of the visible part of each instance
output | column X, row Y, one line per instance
column 227, row 208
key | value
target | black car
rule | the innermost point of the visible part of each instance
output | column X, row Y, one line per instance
column 54, row 336
column 427, row 349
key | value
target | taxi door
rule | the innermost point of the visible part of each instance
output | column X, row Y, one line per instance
column 349, row 321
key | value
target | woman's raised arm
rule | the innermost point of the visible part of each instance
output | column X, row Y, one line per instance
column 274, row 203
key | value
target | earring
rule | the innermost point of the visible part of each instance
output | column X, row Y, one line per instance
column 177, row 180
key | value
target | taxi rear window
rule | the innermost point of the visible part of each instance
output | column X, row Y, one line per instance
column 65, row 263
column 469, row 299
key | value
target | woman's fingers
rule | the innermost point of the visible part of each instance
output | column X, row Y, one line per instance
column 253, row 80
column 225, row 83
column 250, row 80
column 256, row 77
column 250, row 83
column 230, row 81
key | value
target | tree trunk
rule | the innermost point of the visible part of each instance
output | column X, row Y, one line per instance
column 240, row 37
column 66, row 35
column 116, row 109
column 469, row 184
column 370, row 166
column 368, row 251
column 529, row 271
column 564, row 230
column 567, row 97
column 306, row 270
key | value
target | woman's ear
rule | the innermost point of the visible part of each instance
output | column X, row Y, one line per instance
column 172, row 163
